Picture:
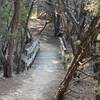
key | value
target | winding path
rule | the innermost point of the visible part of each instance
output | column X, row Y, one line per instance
column 42, row 80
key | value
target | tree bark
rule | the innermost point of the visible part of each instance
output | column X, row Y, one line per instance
column 28, row 39
column 93, row 30
column 13, row 28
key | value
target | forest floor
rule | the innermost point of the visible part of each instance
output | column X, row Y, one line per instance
column 42, row 80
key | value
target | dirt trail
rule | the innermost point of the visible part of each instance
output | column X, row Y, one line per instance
column 42, row 80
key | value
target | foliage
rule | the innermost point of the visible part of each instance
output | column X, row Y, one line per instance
column 6, row 14
column 98, row 37
column 98, row 90
column 50, row 8
column 5, row 17
column 23, row 10
column 94, row 7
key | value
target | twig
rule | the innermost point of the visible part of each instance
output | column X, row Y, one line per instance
column 72, row 96
column 82, row 71
column 74, row 91
column 86, row 74
column 90, row 59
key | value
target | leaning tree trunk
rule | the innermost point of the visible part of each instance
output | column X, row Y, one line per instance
column 93, row 30
column 27, row 33
column 13, row 27
column 25, row 39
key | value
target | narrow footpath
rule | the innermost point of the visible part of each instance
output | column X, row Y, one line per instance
column 42, row 80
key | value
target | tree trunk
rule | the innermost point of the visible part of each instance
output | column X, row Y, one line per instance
column 78, row 57
column 13, row 27
column 28, row 37
column 57, row 24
